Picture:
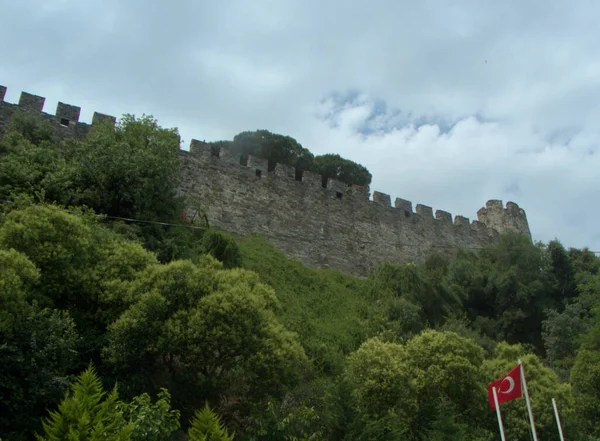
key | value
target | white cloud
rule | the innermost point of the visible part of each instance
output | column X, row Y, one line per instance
column 447, row 104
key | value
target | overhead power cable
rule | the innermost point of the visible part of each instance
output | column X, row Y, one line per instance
column 132, row 220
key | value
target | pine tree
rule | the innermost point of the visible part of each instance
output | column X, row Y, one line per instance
column 206, row 426
column 84, row 416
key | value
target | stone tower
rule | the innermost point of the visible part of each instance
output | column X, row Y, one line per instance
column 511, row 218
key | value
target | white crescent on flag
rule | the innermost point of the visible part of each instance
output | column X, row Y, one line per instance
column 511, row 385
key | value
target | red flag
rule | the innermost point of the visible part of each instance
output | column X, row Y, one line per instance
column 507, row 388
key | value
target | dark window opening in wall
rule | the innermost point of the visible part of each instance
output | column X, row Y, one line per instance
column 244, row 160
column 64, row 122
column 338, row 195
column 215, row 151
column 298, row 175
column 258, row 173
column 324, row 181
column 407, row 213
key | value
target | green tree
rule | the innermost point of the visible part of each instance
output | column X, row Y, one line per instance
column 209, row 328
column 585, row 373
column 235, row 334
column 461, row 325
column 404, row 319
column 585, row 379
column 77, row 257
column 83, row 267
column 418, row 285
column 131, row 170
column 18, row 278
column 87, row 413
column 446, row 368
column 221, row 247
column 333, row 166
column 584, row 262
column 37, row 349
column 32, row 162
column 562, row 336
column 562, row 270
column 383, row 391
column 31, row 127
column 507, row 287
column 277, row 149
column 288, row 421
column 36, row 354
column 445, row 426
column 206, row 426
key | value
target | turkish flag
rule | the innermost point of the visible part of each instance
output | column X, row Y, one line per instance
column 507, row 388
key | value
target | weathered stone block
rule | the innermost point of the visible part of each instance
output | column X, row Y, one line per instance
column 200, row 149
column 31, row 102
column 258, row 163
column 285, row 171
column 360, row 192
column 461, row 220
column 67, row 114
column 101, row 118
column 404, row 205
column 337, row 186
column 312, row 179
column 511, row 206
column 493, row 203
column 2, row 93
column 382, row 198
column 424, row 211
column 227, row 155
column 443, row 216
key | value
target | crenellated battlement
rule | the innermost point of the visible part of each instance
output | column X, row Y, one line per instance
column 322, row 222
column 66, row 116
column 333, row 188
column 340, row 190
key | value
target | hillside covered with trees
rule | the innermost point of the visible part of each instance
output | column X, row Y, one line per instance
column 120, row 319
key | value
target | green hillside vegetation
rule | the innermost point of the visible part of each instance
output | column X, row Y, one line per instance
column 328, row 309
column 137, row 330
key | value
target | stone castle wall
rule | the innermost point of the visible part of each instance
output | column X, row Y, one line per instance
column 335, row 226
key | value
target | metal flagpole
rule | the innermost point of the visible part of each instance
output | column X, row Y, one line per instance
column 498, row 414
column 560, row 432
column 524, row 384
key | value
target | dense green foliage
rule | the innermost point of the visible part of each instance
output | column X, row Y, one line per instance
column 280, row 149
column 216, row 336
column 335, row 167
column 277, row 149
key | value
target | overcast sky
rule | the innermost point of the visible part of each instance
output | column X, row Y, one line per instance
column 448, row 104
